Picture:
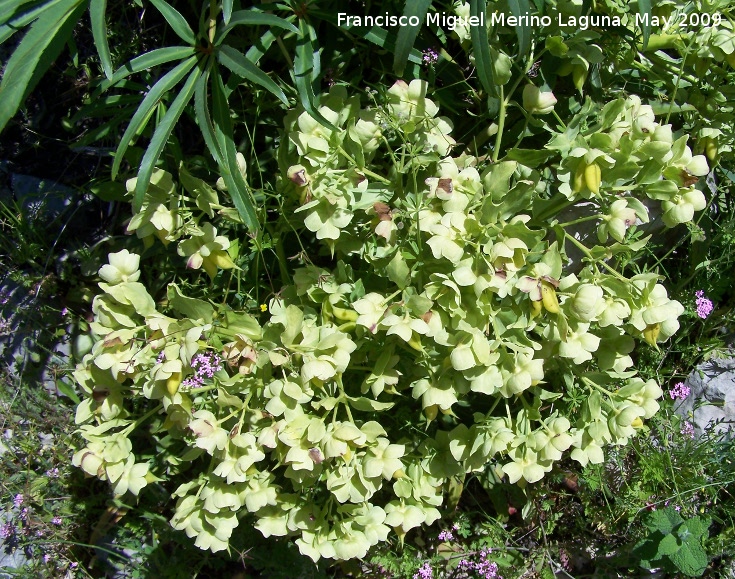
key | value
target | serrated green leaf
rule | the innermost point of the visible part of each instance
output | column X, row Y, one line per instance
column 236, row 186
column 146, row 108
column 407, row 34
column 690, row 559
column 253, row 18
column 241, row 66
column 523, row 32
column 39, row 48
column 667, row 546
column 481, row 47
column 97, row 9
column 176, row 21
column 160, row 137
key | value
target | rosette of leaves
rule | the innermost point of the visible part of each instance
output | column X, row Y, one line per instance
column 441, row 302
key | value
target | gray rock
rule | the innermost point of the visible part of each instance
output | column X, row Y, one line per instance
column 711, row 403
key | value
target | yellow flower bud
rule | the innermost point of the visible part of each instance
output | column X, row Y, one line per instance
column 548, row 297
column 593, row 178
column 173, row 382
column 650, row 334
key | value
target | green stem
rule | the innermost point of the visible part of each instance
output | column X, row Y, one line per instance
column 580, row 220
column 364, row 170
column 586, row 251
column 142, row 419
column 501, row 126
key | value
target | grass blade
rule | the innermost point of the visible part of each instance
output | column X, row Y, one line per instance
column 521, row 8
column 201, row 111
column 227, row 10
column 304, row 72
column 147, row 106
column 161, row 135
column 99, row 34
column 145, row 62
column 10, row 7
column 407, row 34
column 236, row 186
column 253, row 18
column 241, row 66
column 481, row 46
column 41, row 45
column 176, row 21
column 645, row 10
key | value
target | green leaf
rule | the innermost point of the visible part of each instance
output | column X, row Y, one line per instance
column 99, row 33
column 481, row 47
column 146, row 62
column 226, row 10
column 367, row 404
column 690, row 559
column 398, row 271
column 236, row 186
column 203, row 117
column 189, row 307
column 253, row 18
column 67, row 390
column 12, row 22
column 240, row 65
column 39, row 48
column 176, row 21
column 160, row 137
column 667, row 546
column 146, row 108
column 304, row 73
column 644, row 8
column 521, row 8
column 407, row 34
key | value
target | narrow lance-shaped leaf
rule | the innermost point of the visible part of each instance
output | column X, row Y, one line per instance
column 146, row 108
column 161, row 135
column 240, row 65
column 227, row 10
column 176, row 21
column 252, row 18
column 97, row 10
column 39, row 48
column 303, row 71
column 407, row 34
column 236, row 186
column 146, row 62
column 14, row 16
column 203, row 117
column 483, row 60
column 521, row 8
column 645, row 10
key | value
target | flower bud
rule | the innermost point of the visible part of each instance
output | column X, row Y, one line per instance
column 537, row 102
column 593, row 178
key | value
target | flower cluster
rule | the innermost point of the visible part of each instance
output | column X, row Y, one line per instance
column 483, row 567
column 680, row 391
column 704, row 305
column 204, row 364
column 424, row 572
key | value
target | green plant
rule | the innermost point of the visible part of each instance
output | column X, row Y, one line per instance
column 674, row 543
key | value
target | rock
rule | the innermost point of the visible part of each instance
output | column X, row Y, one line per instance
column 711, row 402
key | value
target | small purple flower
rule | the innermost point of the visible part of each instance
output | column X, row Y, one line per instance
column 46, row 558
column 53, row 473
column 677, row 508
column 704, row 305
column 688, row 429
column 73, row 565
column 424, row 572
column 7, row 530
column 205, row 365
column 430, row 56
column 680, row 391
column 445, row 536
column 24, row 513
column 56, row 521
column 18, row 500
